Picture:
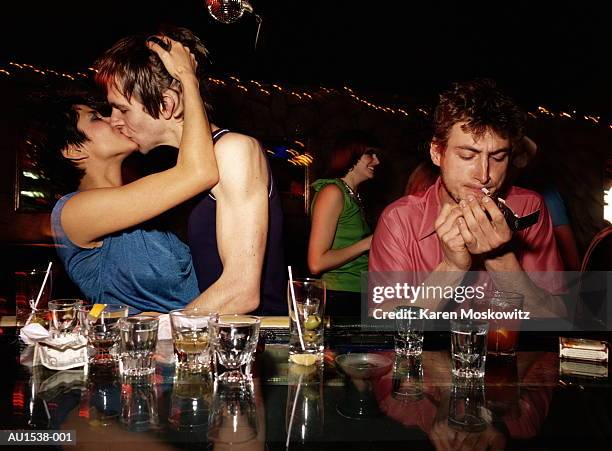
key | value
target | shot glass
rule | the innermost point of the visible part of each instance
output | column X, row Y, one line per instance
column 233, row 418
column 468, row 348
column 139, row 410
column 64, row 315
column 503, row 333
column 102, row 331
column 409, row 330
column 467, row 410
column 191, row 400
column 28, row 284
column 138, row 342
column 102, row 399
column 306, row 302
column 234, row 342
column 191, row 338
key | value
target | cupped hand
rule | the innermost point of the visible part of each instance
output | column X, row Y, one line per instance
column 454, row 248
column 482, row 233
column 178, row 59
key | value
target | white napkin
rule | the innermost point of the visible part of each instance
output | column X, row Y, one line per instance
column 33, row 333
column 164, row 330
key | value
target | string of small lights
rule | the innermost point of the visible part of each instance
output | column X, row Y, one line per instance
column 16, row 69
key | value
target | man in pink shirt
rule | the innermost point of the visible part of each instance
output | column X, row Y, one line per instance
column 453, row 227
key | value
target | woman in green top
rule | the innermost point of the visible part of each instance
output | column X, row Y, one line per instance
column 340, row 236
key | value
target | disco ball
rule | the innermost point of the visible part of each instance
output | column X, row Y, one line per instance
column 228, row 11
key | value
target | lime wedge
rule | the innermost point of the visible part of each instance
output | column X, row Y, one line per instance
column 304, row 359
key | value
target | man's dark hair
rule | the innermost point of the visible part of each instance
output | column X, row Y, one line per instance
column 348, row 149
column 135, row 70
column 482, row 107
column 54, row 127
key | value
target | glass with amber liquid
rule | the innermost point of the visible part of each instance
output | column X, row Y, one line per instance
column 502, row 339
column 191, row 338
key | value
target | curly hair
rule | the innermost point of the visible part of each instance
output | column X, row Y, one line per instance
column 482, row 107
column 133, row 69
column 348, row 149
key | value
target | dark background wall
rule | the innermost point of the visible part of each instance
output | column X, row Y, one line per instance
column 572, row 157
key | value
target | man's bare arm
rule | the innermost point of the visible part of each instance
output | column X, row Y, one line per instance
column 242, row 224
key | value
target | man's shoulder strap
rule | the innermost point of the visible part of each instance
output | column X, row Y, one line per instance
column 217, row 134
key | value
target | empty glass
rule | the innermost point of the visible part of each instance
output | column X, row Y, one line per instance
column 234, row 342
column 234, row 414
column 191, row 338
column 138, row 342
column 64, row 314
column 409, row 327
column 102, row 330
column 467, row 410
column 139, row 410
column 469, row 348
column 408, row 378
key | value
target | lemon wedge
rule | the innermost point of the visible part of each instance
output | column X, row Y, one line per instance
column 96, row 311
column 304, row 359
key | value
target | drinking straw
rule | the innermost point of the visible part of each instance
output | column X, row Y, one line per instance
column 40, row 292
column 295, row 310
column 297, row 393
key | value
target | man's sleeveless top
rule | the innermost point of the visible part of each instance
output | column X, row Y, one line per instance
column 202, row 232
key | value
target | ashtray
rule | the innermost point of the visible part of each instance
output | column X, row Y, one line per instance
column 364, row 365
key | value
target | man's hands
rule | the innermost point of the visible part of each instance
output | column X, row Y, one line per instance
column 454, row 248
column 466, row 230
column 481, row 234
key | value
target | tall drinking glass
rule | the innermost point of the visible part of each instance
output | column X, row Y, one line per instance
column 28, row 285
column 100, row 324
column 191, row 338
column 409, row 332
column 234, row 342
column 468, row 348
column 408, row 378
column 305, row 412
column 138, row 342
column 306, row 302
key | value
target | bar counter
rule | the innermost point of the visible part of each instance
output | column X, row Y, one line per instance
column 525, row 402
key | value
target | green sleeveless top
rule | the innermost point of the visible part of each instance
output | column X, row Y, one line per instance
column 351, row 228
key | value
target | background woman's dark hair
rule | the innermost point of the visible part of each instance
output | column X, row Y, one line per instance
column 54, row 127
column 347, row 150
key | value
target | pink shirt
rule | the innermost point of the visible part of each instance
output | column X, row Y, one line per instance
column 405, row 238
